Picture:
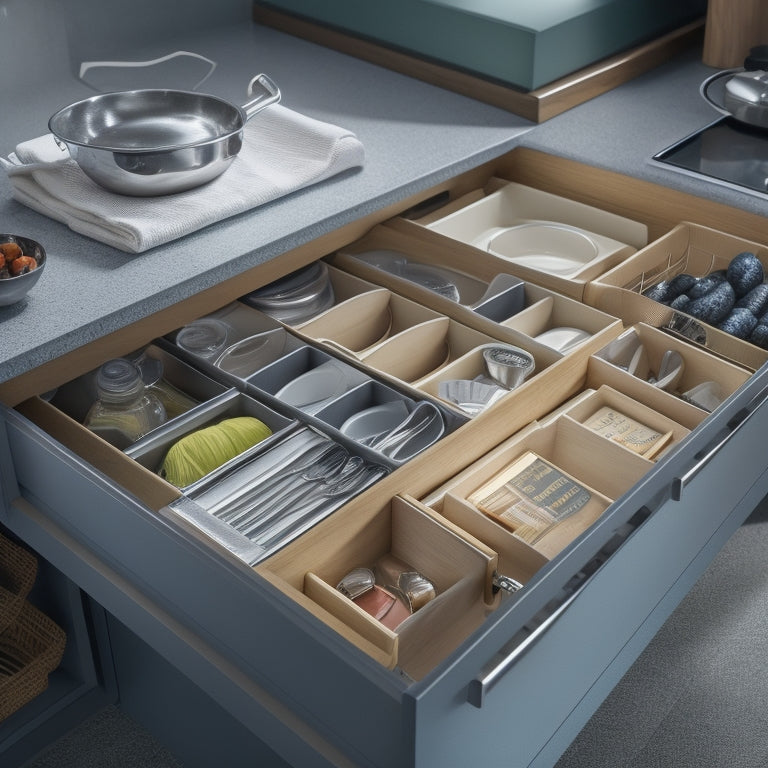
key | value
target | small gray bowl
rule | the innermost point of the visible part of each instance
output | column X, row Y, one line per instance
column 13, row 289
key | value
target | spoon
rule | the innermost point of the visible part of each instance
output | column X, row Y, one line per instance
column 320, row 479
column 346, row 487
column 670, row 370
column 416, row 422
column 262, row 492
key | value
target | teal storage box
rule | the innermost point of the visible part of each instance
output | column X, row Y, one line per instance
column 521, row 44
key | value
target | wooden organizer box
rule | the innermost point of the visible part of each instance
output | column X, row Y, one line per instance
column 543, row 307
column 690, row 248
column 413, row 346
column 569, row 446
column 698, row 365
column 511, row 425
column 606, row 397
column 500, row 204
column 460, row 569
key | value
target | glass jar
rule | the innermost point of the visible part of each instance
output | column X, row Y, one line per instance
column 173, row 399
column 125, row 409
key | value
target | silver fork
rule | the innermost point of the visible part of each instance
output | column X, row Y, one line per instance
column 302, row 494
column 348, row 487
column 260, row 497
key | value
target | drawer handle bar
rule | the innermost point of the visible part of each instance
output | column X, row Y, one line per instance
column 679, row 483
column 480, row 686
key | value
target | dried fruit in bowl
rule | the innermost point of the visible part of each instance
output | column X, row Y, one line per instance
column 14, row 262
column 10, row 251
column 21, row 265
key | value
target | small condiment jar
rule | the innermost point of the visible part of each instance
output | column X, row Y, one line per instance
column 125, row 410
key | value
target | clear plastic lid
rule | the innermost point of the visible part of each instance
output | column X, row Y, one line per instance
column 150, row 368
column 205, row 337
column 119, row 380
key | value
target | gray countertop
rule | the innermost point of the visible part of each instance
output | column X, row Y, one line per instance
column 414, row 135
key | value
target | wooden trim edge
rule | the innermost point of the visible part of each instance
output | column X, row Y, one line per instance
column 536, row 105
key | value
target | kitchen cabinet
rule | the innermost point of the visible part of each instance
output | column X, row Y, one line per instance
column 83, row 681
column 514, row 676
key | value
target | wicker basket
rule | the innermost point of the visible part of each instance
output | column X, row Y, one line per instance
column 30, row 649
column 18, row 569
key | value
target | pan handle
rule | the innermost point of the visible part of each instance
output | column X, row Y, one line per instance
column 704, row 88
column 86, row 66
column 264, row 92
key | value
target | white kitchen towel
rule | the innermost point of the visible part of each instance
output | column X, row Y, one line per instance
column 282, row 151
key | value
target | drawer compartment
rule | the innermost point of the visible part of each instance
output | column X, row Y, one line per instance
column 459, row 572
column 539, row 236
column 538, row 475
column 499, row 303
column 532, row 633
column 656, row 359
column 688, row 249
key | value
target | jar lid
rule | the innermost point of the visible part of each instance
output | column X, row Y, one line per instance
column 205, row 337
column 119, row 380
column 150, row 368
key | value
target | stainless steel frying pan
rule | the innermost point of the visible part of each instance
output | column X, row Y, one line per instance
column 157, row 142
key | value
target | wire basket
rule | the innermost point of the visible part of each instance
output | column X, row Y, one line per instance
column 30, row 649
column 18, row 570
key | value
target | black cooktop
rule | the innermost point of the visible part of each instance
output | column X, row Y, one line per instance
column 727, row 151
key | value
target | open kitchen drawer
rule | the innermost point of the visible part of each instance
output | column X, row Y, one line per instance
column 521, row 670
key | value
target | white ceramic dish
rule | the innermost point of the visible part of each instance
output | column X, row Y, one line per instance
column 546, row 246
column 563, row 339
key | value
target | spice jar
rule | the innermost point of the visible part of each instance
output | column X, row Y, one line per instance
column 125, row 409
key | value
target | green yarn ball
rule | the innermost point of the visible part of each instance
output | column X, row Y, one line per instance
column 200, row 452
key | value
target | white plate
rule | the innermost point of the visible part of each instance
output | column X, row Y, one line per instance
column 563, row 339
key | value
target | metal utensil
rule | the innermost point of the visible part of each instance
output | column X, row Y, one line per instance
column 327, row 467
column 262, row 490
column 321, row 483
column 156, row 142
column 745, row 95
column 418, row 420
column 344, row 490
column 670, row 370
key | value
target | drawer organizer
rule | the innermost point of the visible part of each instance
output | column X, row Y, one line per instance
column 530, row 547
column 551, row 241
column 691, row 249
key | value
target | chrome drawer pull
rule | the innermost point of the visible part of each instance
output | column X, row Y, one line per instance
column 679, row 483
column 480, row 686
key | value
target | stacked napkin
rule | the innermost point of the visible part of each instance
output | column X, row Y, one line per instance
column 282, row 151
